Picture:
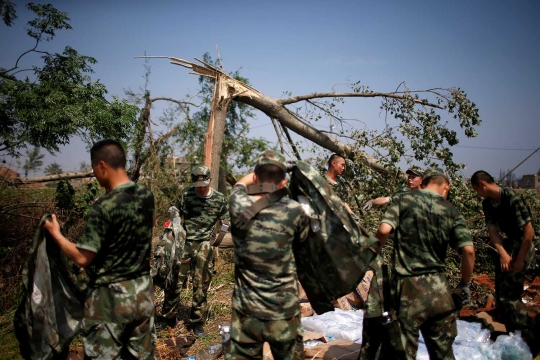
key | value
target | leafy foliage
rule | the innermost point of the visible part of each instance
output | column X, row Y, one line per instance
column 73, row 204
column 34, row 161
column 60, row 100
column 53, row 169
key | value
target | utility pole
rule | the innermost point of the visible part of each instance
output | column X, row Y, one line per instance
column 518, row 165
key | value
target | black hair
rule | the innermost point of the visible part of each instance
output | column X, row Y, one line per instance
column 436, row 179
column 481, row 175
column 269, row 173
column 109, row 151
column 333, row 157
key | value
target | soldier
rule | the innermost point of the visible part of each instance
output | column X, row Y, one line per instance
column 265, row 300
column 425, row 224
column 414, row 181
column 201, row 207
column 376, row 331
column 115, row 247
column 336, row 167
column 505, row 209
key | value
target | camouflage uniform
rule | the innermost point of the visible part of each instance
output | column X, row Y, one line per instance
column 119, row 310
column 200, row 214
column 510, row 214
column 424, row 224
column 339, row 187
column 265, row 300
column 375, row 332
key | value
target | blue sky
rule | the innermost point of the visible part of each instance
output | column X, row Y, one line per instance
column 490, row 49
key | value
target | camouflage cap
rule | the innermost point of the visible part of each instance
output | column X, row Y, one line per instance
column 271, row 157
column 436, row 172
column 200, row 175
column 416, row 170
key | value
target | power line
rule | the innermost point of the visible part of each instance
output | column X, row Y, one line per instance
column 490, row 148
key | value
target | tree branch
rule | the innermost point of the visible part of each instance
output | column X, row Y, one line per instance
column 278, row 135
column 396, row 96
column 179, row 103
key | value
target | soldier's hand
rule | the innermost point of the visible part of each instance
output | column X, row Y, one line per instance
column 506, row 262
column 461, row 295
column 52, row 226
column 367, row 206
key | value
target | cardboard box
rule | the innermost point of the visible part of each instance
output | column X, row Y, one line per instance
column 357, row 297
column 363, row 288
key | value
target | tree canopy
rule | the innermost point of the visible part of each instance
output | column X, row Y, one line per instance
column 59, row 99
column 53, row 169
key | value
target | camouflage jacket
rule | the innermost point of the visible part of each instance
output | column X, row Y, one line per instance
column 510, row 214
column 51, row 308
column 265, row 281
column 424, row 224
column 339, row 188
column 201, row 213
column 119, row 230
column 338, row 252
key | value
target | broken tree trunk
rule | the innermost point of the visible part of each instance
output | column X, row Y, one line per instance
column 228, row 88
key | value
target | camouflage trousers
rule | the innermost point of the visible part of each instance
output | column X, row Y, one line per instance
column 388, row 336
column 197, row 257
column 508, row 291
column 248, row 334
column 119, row 321
column 424, row 303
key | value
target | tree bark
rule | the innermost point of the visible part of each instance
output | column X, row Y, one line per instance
column 223, row 95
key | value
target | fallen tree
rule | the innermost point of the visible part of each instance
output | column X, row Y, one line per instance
column 429, row 137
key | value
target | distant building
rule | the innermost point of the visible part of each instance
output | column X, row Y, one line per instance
column 178, row 163
column 530, row 182
column 8, row 174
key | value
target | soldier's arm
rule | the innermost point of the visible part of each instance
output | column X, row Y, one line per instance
column 467, row 263
column 81, row 257
column 496, row 240
column 528, row 235
column 380, row 201
column 383, row 233
column 247, row 180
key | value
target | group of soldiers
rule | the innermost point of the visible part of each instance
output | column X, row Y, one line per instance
column 116, row 247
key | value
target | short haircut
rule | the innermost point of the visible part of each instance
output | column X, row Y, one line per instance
column 481, row 175
column 334, row 157
column 269, row 173
column 435, row 179
column 110, row 152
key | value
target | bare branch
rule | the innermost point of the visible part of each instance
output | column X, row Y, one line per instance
column 396, row 96
column 278, row 135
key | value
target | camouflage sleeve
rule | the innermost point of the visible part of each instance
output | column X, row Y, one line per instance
column 96, row 230
column 520, row 208
column 225, row 209
column 460, row 236
column 391, row 216
column 488, row 213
